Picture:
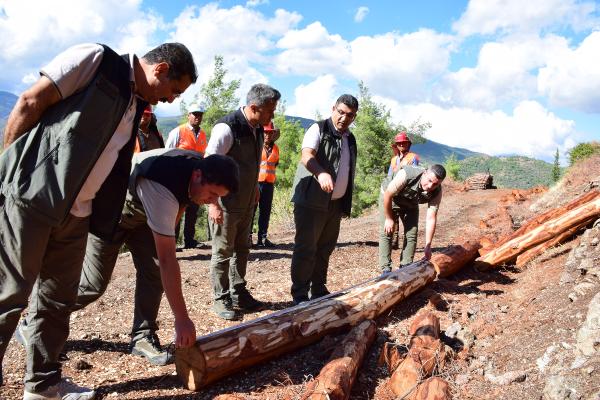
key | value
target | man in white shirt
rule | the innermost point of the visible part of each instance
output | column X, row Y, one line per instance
column 66, row 173
column 322, row 194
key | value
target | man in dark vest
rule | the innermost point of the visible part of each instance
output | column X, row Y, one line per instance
column 64, row 171
column 322, row 194
column 240, row 136
column 400, row 197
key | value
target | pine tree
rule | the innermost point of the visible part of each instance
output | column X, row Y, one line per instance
column 556, row 168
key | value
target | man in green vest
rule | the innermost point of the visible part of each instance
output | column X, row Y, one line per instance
column 400, row 197
column 240, row 136
column 322, row 194
column 68, row 145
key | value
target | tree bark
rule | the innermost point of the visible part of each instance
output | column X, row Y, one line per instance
column 540, row 219
column 337, row 377
column 535, row 251
column 229, row 350
column 425, row 353
column 433, row 389
column 511, row 249
column 454, row 257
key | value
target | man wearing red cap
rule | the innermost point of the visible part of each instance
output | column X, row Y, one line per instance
column 189, row 136
column 266, row 183
column 148, row 136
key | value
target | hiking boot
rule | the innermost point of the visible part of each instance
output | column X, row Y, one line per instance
column 191, row 245
column 244, row 301
column 63, row 390
column 224, row 309
column 149, row 347
column 300, row 300
column 265, row 243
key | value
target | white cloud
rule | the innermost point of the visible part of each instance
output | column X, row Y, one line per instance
column 573, row 80
column 400, row 66
column 506, row 71
column 529, row 130
column 491, row 16
column 311, row 51
column 256, row 3
column 38, row 30
column 315, row 97
column 361, row 14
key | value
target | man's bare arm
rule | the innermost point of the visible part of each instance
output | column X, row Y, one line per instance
column 313, row 166
column 29, row 109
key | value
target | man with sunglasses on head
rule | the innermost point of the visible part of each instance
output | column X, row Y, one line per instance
column 322, row 194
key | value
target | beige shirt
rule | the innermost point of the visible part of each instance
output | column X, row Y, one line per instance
column 399, row 182
column 70, row 71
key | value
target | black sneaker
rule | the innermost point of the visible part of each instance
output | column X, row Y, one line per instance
column 268, row 244
column 300, row 300
column 224, row 309
column 244, row 301
column 191, row 245
column 149, row 347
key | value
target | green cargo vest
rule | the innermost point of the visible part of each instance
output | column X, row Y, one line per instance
column 412, row 195
column 247, row 152
column 307, row 191
column 45, row 168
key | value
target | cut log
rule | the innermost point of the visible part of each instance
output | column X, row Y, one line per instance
column 535, row 251
column 538, row 220
column 433, row 389
column 229, row 350
column 549, row 229
column 337, row 377
column 453, row 258
column 425, row 353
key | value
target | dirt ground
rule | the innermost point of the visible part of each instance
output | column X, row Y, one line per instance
column 514, row 315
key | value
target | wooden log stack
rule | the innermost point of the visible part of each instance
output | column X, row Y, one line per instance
column 480, row 181
column 543, row 231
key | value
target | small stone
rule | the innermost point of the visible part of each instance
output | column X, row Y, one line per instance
column 507, row 378
column 82, row 365
column 467, row 337
column 472, row 295
column 594, row 241
column 589, row 370
column 504, row 309
column 578, row 362
column 462, row 379
column 452, row 330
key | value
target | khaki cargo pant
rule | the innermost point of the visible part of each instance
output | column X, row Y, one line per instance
column 410, row 223
column 33, row 252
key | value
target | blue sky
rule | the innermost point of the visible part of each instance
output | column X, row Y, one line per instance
column 496, row 76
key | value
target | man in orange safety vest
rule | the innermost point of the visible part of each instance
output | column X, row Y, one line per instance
column 189, row 136
column 266, row 183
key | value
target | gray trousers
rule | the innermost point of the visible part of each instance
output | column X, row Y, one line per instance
column 410, row 223
column 100, row 260
column 230, row 254
column 316, row 236
column 49, row 257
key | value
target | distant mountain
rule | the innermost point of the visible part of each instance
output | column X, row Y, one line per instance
column 432, row 152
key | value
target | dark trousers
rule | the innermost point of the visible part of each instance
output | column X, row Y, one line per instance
column 101, row 257
column 316, row 236
column 34, row 253
column 189, row 225
column 265, row 204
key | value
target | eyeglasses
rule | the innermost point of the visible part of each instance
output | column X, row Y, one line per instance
column 350, row 115
column 402, row 144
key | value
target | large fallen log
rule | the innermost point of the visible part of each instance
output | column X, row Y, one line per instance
column 539, row 219
column 336, row 378
column 425, row 353
column 224, row 352
column 535, row 251
column 508, row 251
column 454, row 257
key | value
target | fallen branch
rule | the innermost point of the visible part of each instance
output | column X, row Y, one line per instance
column 454, row 257
column 336, row 378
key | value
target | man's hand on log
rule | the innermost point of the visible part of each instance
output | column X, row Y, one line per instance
column 388, row 227
column 427, row 251
column 185, row 332
column 215, row 213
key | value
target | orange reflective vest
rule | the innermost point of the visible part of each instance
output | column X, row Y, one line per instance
column 408, row 159
column 268, row 165
column 188, row 140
